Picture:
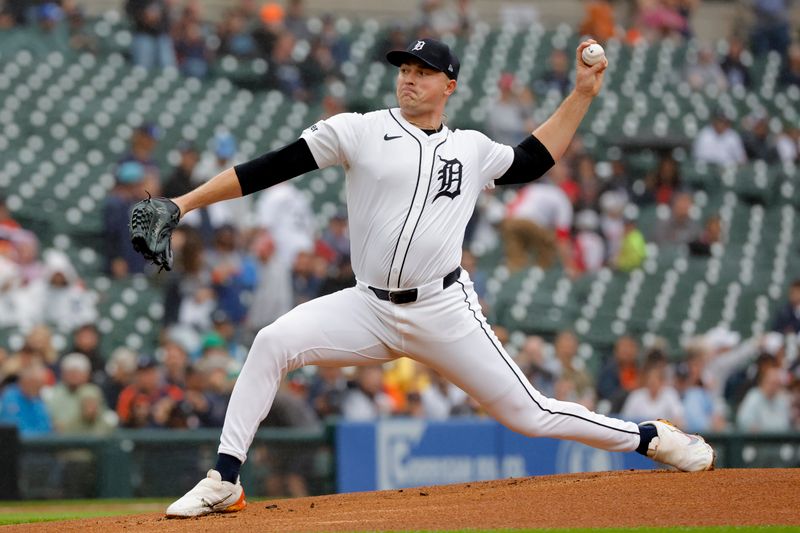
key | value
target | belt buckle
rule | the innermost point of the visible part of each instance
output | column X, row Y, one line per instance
column 403, row 297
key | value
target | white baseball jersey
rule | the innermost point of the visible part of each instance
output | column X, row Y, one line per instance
column 409, row 198
column 409, row 195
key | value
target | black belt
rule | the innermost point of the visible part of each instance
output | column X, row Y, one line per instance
column 406, row 296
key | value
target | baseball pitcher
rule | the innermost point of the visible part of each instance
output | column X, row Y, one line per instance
column 412, row 184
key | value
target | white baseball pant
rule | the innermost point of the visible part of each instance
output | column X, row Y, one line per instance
column 444, row 329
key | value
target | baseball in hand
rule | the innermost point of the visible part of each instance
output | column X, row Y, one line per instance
column 593, row 54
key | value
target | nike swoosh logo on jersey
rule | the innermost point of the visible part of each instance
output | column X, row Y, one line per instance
column 386, row 137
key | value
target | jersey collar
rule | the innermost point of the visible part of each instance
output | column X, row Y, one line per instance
column 417, row 132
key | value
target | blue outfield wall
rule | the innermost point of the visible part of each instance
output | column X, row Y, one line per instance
column 400, row 453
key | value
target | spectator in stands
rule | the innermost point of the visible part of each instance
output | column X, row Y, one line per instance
column 296, row 21
column 367, row 400
column 509, row 118
column 21, row 403
column 703, row 245
column 539, row 219
column 188, row 297
column 59, row 299
column 48, row 16
column 86, row 341
column 557, row 77
column 568, row 366
column 443, row 19
column 64, row 400
column 235, row 211
column 532, row 362
column 272, row 295
column 766, row 407
column 706, row 72
column 284, row 73
column 26, row 246
column 191, row 51
column 598, row 20
column 152, row 45
column 439, row 399
column 318, row 69
column 393, row 38
column 198, row 406
column 144, row 142
column 235, row 39
column 656, row 398
column 620, row 374
column 327, row 390
column 770, row 26
column 180, row 182
column 719, row 143
column 759, row 142
column 81, row 38
column 285, row 211
column 336, row 236
column 790, row 75
column 589, row 247
column 660, row 185
column 271, row 17
column 338, row 45
column 612, row 223
column 723, row 353
column 233, row 273
column 175, row 362
column 207, row 383
column 679, row 228
column 121, row 258
column 227, row 330
column 40, row 340
column 95, row 417
column 661, row 19
column 788, row 144
column 339, row 275
column 11, row 295
column 703, row 410
column 121, row 368
column 736, row 71
column 633, row 250
column 148, row 401
column 12, row 13
column 306, row 277
column 787, row 319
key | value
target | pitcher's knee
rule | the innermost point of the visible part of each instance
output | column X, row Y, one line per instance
column 522, row 419
column 271, row 345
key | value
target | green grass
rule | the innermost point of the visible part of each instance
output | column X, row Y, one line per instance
column 714, row 529
column 51, row 510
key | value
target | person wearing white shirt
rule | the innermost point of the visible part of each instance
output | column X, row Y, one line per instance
column 655, row 398
column 720, row 144
column 539, row 219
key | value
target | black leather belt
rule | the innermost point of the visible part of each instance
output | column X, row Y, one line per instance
column 406, row 296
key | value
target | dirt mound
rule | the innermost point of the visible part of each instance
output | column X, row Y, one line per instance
column 633, row 498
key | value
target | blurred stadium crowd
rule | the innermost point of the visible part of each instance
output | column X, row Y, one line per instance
column 242, row 264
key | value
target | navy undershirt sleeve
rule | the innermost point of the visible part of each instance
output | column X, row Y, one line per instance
column 275, row 167
column 531, row 161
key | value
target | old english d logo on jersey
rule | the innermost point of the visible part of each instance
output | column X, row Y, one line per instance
column 449, row 177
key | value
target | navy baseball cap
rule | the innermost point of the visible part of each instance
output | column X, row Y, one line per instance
column 430, row 52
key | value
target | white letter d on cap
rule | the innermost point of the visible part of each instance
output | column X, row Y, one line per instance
column 418, row 46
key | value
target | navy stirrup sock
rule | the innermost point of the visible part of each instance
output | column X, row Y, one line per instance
column 228, row 467
column 646, row 433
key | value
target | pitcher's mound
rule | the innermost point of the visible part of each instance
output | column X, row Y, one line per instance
column 633, row 498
